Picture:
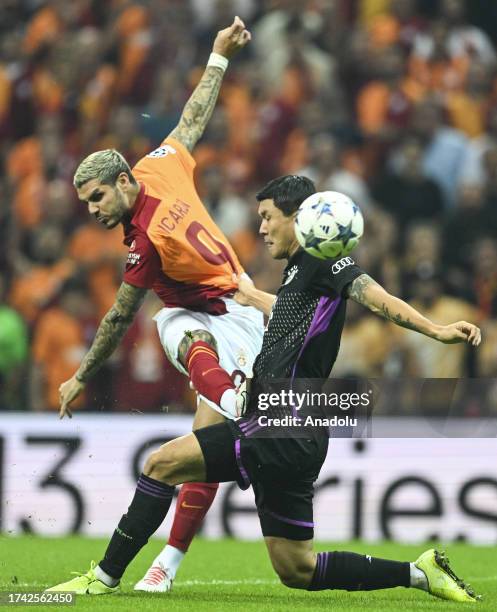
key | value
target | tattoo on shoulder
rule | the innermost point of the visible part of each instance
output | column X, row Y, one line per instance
column 198, row 109
column 357, row 288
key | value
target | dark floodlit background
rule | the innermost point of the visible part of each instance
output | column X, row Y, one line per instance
column 393, row 102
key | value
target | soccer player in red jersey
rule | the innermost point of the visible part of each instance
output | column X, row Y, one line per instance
column 176, row 249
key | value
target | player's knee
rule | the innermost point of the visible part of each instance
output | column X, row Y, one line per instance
column 163, row 463
column 192, row 336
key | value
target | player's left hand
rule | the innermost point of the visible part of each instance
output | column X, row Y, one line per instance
column 68, row 392
column 462, row 331
column 230, row 40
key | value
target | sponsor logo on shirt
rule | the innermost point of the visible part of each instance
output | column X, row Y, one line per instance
column 292, row 273
column 133, row 258
column 339, row 265
column 162, row 151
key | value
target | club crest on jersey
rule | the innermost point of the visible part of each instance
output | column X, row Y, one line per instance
column 339, row 265
column 162, row 151
column 292, row 273
column 241, row 358
column 132, row 246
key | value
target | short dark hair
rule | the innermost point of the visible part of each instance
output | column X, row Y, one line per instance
column 288, row 192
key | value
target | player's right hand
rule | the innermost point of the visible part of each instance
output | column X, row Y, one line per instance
column 231, row 39
column 68, row 392
column 462, row 331
column 245, row 289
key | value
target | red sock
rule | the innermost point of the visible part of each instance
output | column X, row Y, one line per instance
column 207, row 376
column 194, row 499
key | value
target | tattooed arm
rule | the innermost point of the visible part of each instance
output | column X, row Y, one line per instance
column 198, row 109
column 110, row 332
column 369, row 293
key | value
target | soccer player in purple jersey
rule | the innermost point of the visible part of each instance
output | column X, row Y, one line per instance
column 301, row 342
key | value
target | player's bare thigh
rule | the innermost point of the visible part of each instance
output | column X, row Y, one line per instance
column 293, row 560
column 205, row 416
column 178, row 461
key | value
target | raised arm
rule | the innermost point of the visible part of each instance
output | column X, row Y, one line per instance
column 369, row 293
column 198, row 109
column 110, row 332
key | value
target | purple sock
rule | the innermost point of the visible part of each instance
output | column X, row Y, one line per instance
column 145, row 514
column 353, row 572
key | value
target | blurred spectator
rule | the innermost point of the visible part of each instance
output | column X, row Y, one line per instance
column 210, row 17
column 269, row 32
column 298, row 54
column 124, row 136
column 408, row 194
column 469, row 224
column 444, row 148
column 485, row 281
column 422, row 252
column 380, row 250
column 473, row 170
column 430, row 359
column 228, row 210
column 487, row 355
column 13, row 355
column 398, row 25
column 163, row 110
column 59, row 344
column 39, row 282
column 99, row 253
column 464, row 38
column 329, row 175
column 468, row 108
column 364, row 346
column 384, row 104
column 433, row 66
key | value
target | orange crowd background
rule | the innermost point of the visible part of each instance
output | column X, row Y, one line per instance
column 393, row 102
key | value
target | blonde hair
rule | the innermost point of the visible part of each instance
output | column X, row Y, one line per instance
column 104, row 165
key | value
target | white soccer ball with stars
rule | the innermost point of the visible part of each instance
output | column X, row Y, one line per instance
column 329, row 224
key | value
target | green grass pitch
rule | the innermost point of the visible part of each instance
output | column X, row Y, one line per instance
column 231, row 575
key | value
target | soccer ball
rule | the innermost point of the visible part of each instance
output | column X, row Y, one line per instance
column 328, row 225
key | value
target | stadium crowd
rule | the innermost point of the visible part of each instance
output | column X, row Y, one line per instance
column 393, row 102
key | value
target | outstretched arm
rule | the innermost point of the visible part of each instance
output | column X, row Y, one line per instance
column 369, row 293
column 110, row 332
column 198, row 109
